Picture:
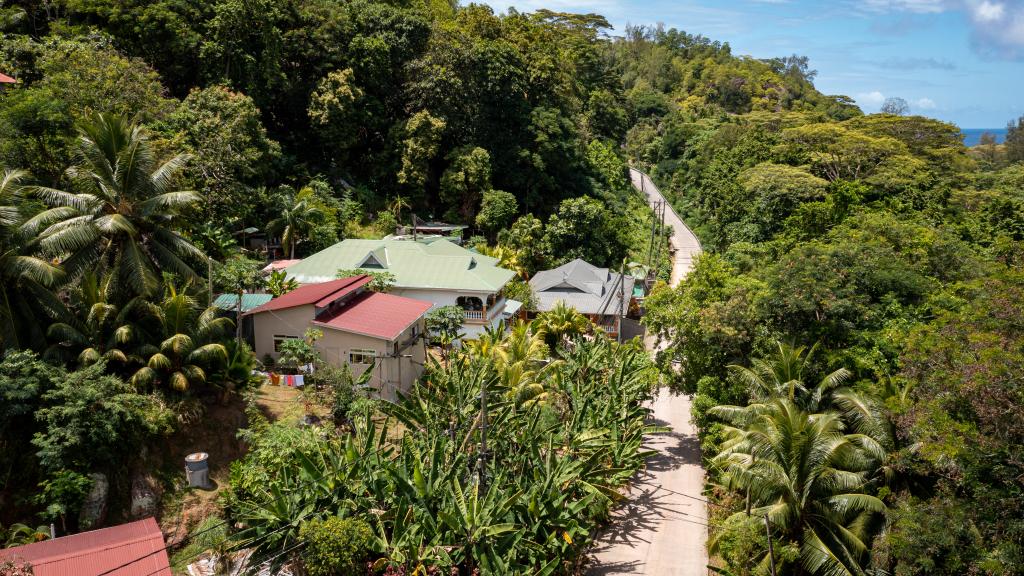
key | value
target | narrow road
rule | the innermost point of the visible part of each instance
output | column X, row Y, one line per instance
column 683, row 241
column 659, row 531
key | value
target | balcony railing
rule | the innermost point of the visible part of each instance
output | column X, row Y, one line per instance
column 486, row 315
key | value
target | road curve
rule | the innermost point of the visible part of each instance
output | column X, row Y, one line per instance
column 659, row 531
column 684, row 242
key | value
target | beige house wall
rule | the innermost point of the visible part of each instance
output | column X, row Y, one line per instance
column 390, row 373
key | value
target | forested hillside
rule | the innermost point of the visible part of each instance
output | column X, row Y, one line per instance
column 853, row 334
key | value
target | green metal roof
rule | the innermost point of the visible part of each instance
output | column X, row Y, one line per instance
column 229, row 302
column 440, row 264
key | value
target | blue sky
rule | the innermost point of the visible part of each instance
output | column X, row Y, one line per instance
column 957, row 60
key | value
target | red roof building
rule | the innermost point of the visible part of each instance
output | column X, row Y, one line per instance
column 319, row 294
column 363, row 329
column 133, row 549
column 379, row 315
column 5, row 79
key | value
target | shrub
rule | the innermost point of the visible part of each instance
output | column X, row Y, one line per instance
column 335, row 546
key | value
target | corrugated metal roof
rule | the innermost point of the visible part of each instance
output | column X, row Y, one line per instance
column 320, row 294
column 229, row 302
column 583, row 286
column 133, row 549
column 438, row 265
column 279, row 265
column 383, row 316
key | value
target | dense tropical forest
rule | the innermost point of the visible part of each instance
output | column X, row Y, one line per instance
column 853, row 336
column 853, row 333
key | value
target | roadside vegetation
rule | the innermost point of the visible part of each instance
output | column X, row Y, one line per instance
column 859, row 302
column 852, row 333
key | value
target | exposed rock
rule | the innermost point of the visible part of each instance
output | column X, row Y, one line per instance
column 94, row 510
column 144, row 498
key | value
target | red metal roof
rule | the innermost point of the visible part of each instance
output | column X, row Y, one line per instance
column 279, row 265
column 5, row 79
column 133, row 549
column 379, row 315
column 319, row 294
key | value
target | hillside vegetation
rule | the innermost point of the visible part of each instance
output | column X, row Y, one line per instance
column 853, row 333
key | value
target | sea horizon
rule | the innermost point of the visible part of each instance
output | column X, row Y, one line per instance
column 972, row 136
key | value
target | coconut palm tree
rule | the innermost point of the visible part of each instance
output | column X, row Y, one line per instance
column 97, row 328
column 806, row 475
column 25, row 279
column 192, row 344
column 782, row 376
column 120, row 213
column 295, row 222
column 562, row 322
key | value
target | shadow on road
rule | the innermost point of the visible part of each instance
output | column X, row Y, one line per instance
column 649, row 505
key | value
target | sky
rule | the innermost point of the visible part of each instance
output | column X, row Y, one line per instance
column 957, row 60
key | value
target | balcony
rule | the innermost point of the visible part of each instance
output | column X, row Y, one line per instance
column 487, row 315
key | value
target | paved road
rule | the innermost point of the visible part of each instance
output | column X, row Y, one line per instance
column 659, row 531
column 683, row 240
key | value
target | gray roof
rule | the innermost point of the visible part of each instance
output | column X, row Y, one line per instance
column 585, row 287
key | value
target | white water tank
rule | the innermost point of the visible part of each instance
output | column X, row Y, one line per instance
column 197, row 470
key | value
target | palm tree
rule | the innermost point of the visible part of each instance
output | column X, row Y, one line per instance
column 562, row 322
column 120, row 214
column 782, row 376
column 807, row 476
column 191, row 345
column 101, row 329
column 396, row 205
column 25, row 279
column 521, row 359
column 294, row 223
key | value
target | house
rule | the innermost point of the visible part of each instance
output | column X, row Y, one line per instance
column 133, row 549
column 598, row 293
column 437, row 271
column 360, row 328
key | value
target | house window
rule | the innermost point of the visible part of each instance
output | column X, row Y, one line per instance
column 279, row 338
column 361, row 356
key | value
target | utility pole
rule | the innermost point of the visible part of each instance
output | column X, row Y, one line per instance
column 481, row 462
column 771, row 548
column 619, row 314
column 209, row 278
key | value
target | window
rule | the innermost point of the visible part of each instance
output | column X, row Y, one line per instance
column 361, row 356
column 278, row 339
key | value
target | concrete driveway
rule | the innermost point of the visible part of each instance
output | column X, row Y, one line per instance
column 660, row 531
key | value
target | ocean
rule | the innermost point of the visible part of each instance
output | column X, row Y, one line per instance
column 972, row 136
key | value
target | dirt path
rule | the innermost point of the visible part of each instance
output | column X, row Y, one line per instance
column 659, row 531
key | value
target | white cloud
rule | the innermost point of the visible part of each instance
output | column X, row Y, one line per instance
column 872, row 99
column 925, row 104
column 988, row 11
column 997, row 26
column 915, row 6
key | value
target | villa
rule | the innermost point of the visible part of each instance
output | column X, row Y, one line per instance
column 435, row 270
column 364, row 329
column 601, row 295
